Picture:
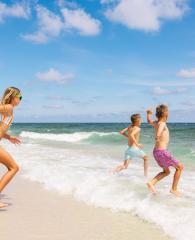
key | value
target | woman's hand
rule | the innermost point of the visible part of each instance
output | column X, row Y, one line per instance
column 14, row 140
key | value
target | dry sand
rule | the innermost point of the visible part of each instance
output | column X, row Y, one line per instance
column 37, row 214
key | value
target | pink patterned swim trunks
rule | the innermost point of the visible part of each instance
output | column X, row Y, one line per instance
column 164, row 158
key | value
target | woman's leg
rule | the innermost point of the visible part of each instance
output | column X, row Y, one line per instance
column 2, row 205
column 7, row 160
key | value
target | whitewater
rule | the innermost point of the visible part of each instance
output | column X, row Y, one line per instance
column 77, row 159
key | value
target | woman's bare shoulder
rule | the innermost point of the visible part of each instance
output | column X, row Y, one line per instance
column 6, row 108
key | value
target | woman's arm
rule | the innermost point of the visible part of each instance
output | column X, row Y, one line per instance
column 12, row 139
column 6, row 136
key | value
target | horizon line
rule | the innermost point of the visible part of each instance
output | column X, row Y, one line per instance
column 87, row 122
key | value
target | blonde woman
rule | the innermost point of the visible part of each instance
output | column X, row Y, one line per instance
column 9, row 101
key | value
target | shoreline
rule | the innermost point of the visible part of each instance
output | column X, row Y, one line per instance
column 35, row 213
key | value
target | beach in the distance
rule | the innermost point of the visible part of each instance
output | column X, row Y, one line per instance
column 72, row 161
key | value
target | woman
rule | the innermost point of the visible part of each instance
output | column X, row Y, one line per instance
column 11, row 98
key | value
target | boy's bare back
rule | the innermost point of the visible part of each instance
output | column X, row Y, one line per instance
column 135, row 131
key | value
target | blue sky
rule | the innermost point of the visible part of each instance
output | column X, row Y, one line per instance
column 98, row 60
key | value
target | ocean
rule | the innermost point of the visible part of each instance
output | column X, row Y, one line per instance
column 75, row 158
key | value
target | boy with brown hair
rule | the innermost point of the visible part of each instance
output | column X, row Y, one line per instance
column 132, row 133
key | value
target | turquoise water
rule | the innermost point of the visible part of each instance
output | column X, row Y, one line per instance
column 182, row 142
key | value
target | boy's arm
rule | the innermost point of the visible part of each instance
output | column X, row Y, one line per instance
column 159, row 130
column 124, row 132
column 149, row 118
column 132, row 135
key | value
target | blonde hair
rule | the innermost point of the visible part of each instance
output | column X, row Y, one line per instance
column 9, row 94
column 161, row 110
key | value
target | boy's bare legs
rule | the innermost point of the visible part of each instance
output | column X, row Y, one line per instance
column 157, row 178
column 145, row 158
column 121, row 167
column 177, row 175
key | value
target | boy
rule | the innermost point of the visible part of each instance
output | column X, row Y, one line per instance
column 132, row 133
column 161, row 155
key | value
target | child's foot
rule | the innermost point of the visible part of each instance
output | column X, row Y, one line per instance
column 112, row 172
column 2, row 205
column 176, row 193
column 151, row 188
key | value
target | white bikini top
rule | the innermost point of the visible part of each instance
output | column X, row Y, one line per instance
column 7, row 119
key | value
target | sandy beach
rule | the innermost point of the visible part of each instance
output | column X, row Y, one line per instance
column 96, row 101
column 35, row 213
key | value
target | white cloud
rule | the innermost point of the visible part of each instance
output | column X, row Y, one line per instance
column 80, row 21
column 55, row 97
column 180, row 90
column 65, row 3
column 53, row 75
column 18, row 10
column 186, row 73
column 37, row 37
column 53, row 107
column 49, row 25
column 146, row 15
column 165, row 91
column 188, row 103
column 167, row 83
column 161, row 91
column 106, row 1
column 49, row 22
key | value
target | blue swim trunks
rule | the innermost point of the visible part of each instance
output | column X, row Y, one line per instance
column 134, row 152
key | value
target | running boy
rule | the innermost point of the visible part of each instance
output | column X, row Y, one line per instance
column 161, row 155
column 132, row 133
